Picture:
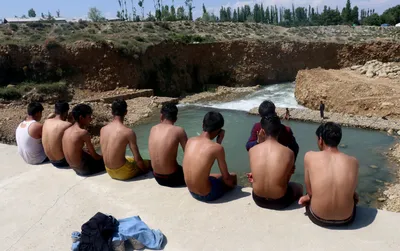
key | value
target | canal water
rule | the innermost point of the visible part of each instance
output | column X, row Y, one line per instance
column 367, row 146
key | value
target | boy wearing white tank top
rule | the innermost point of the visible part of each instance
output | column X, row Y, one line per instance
column 29, row 136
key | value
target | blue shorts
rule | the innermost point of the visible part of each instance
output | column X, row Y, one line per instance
column 217, row 190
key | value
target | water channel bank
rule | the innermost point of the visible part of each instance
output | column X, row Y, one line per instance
column 348, row 120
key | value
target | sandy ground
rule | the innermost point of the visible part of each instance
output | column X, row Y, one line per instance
column 349, row 92
column 42, row 205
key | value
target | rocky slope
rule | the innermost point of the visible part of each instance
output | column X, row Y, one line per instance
column 349, row 91
column 173, row 69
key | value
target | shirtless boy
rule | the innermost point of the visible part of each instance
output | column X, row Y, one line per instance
column 200, row 154
column 53, row 131
column 75, row 137
column 164, row 141
column 272, row 165
column 29, row 136
column 331, row 180
column 114, row 138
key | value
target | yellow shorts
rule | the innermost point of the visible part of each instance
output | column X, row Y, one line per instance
column 129, row 170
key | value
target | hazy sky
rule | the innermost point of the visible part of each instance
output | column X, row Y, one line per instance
column 79, row 8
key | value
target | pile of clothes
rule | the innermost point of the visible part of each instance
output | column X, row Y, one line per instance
column 105, row 233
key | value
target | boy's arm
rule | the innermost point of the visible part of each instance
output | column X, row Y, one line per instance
column 88, row 142
column 223, row 167
column 183, row 139
column 307, row 174
column 135, row 150
column 253, row 138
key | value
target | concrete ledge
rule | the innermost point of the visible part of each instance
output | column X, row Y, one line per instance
column 374, row 123
column 41, row 205
column 133, row 94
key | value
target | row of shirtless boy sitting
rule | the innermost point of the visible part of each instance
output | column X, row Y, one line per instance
column 330, row 176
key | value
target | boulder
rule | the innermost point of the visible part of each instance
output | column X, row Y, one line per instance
column 370, row 74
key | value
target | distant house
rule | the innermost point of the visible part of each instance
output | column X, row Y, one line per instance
column 32, row 20
column 114, row 19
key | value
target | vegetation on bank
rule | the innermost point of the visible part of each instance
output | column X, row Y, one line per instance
column 15, row 92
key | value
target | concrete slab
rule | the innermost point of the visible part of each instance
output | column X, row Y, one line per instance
column 40, row 206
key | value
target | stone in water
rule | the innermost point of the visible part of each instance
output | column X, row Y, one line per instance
column 373, row 166
column 381, row 199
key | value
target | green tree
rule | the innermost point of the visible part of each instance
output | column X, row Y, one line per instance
column 141, row 6
column 189, row 5
column 373, row 19
column 354, row 15
column 95, row 15
column 31, row 13
column 391, row 15
column 346, row 13
column 180, row 14
column 235, row 16
column 287, row 15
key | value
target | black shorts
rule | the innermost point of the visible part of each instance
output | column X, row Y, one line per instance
column 60, row 163
column 176, row 179
column 276, row 204
column 89, row 165
column 330, row 223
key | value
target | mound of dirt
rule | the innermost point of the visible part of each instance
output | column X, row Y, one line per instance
column 349, row 92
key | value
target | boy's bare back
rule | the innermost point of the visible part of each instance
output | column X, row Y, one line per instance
column 200, row 154
column 333, row 179
column 271, row 166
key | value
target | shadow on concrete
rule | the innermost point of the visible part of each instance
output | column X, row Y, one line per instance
column 364, row 217
column 129, row 247
column 146, row 176
column 235, row 194
column 293, row 206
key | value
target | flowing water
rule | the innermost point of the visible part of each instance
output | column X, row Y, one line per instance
column 367, row 146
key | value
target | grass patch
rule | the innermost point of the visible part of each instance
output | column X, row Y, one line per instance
column 9, row 93
column 16, row 92
column 188, row 39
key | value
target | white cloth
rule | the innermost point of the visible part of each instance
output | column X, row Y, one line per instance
column 30, row 149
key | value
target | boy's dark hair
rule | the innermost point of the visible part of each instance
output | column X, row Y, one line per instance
column 271, row 125
column 170, row 111
column 34, row 108
column 331, row 133
column 212, row 122
column 61, row 107
column 119, row 107
column 267, row 108
column 81, row 110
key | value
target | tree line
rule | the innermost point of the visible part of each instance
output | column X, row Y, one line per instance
column 301, row 16
column 295, row 16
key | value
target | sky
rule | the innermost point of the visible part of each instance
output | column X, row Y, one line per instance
column 79, row 8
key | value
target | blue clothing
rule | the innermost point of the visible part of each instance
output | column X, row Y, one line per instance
column 217, row 190
column 135, row 228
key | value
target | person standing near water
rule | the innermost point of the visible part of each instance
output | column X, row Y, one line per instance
column 322, row 109
column 272, row 166
column 164, row 141
column 114, row 138
column 331, row 180
column 286, row 137
column 75, row 137
column 53, row 131
column 29, row 136
column 287, row 114
column 200, row 154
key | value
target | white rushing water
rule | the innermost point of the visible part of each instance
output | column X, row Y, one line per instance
column 281, row 94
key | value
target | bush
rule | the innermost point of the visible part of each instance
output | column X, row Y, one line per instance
column 187, row 39
column 51, row 44
column 140, row 39
column 36, row 25
column 9, row 93
column 148, row 26
column 51, row 88
column 13, row 27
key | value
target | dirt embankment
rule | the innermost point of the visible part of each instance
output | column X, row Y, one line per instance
column 348, row 91
column 173, row 69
